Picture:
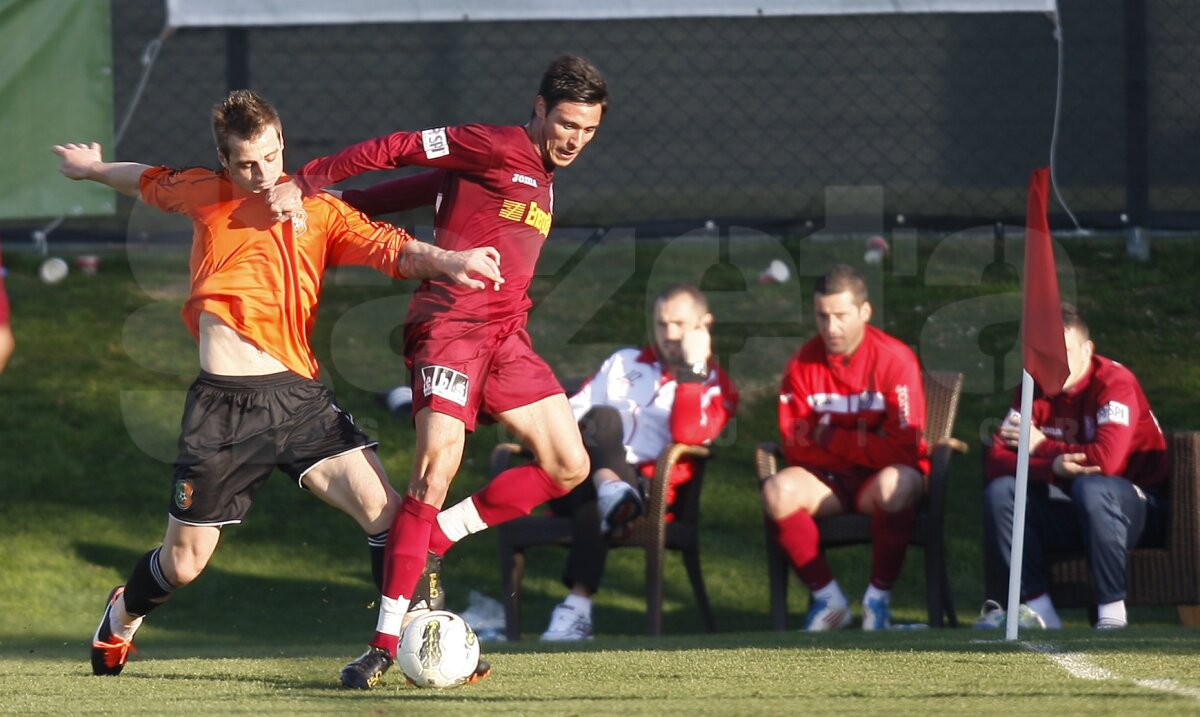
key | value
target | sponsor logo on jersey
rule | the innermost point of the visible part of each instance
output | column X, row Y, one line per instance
column 183, row 494
column 1113, row 412
column 446, row 383
column 902, row 400
column 867, row 401
column 530, row 214
column 434, row 142
column 522, row 179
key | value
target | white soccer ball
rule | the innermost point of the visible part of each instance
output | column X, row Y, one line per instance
column 53, row 270
column 438, row 649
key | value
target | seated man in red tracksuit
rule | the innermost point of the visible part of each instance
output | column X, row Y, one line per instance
column 852, row 419
column 1097, row 470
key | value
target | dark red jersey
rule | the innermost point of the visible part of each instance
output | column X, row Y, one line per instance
column 492, row 189
column 867, row 410
column 1105, row 416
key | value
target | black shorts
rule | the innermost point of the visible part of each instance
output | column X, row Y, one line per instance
column 236, row 429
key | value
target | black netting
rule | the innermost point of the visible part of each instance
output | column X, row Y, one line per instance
column 747, row 119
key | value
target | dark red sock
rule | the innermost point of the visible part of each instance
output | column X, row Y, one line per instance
column 407, row 548
column 890, row 533
column 515, row 493
column 800, row 539
column 438, row 542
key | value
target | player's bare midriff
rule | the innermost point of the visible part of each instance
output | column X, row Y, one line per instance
column 225, row 353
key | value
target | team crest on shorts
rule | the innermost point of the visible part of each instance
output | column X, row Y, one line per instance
column 445, row 382
column 183, row 494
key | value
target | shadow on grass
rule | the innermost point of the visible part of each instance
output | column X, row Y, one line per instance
column 223, row 606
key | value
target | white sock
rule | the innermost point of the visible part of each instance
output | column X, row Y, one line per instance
column 581, row 604
column 391, row 615
column 832, row 594
column 874, row 593
column 1113, row 611
column 1043, row 606
column 117, row 620
column 460, row 520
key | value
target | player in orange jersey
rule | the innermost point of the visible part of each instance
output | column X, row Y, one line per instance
column 256, row 404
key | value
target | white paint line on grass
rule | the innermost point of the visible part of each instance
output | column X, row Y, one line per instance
column 1075, row 663
column 1078, row 665
column 1170, row 686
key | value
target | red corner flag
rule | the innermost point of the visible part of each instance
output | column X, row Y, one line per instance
column 1045, row 350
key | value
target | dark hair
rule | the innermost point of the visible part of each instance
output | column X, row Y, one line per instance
column 698, row 297
column 1072, row 319
column 571, row 78
column 244, row 114
column 839, row 278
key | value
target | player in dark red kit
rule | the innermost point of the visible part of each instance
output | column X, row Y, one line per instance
column 851, row 417
column 491, row 186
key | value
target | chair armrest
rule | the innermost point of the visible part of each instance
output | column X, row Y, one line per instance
column 674, row 453
column 502, row 456
column 767, row 458
column 656, row 498
column 939, row 472
column 955, row 445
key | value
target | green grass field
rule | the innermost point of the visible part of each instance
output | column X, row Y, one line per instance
column 91, row 406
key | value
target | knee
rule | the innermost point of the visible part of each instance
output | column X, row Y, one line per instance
column 379, row 517
column 780, row 496
column 900, row 489
column 181, row 567
column 999, row 493
column 601, row 424
column 1089, row 492
column 568, row 468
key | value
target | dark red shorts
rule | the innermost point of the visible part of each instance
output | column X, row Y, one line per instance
column 846, row 485
column 461, row 369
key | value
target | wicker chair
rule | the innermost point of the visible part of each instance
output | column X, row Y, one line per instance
column 1165, row 575
column 650, row 532
column 942, row 390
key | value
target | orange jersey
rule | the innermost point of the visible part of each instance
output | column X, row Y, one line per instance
column 3, row 297
column 262, row 277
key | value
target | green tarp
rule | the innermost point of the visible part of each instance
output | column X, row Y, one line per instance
column 55, row 86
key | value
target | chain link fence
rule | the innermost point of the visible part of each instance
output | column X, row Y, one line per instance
column 750, row 120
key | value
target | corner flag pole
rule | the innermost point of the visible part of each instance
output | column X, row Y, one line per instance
column 1044, row 356
column 1018, row 526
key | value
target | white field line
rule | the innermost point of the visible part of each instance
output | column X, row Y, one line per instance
column 1077, row 665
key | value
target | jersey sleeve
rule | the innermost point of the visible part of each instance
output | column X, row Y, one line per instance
column 701, row 409
column 172, row 190
column 1001, row 461
column 1117, row 412
column 397, row 195
column 900, row 440
column 592, row 392
column 466, row 148
column 797, row 420
column 356, row 240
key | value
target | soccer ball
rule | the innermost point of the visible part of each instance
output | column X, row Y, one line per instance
column 439, row 649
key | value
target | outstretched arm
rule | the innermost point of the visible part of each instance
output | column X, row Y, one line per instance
column 84, row 161
column 422, row 260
